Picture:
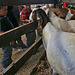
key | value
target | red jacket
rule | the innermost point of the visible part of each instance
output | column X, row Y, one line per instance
column 25, row 15
column 64, row 5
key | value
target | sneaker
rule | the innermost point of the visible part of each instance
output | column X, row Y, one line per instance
column 22, row 49
column 15, row 47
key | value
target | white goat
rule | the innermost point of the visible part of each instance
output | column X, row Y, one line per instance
column 60, row 49
column 59, row 23
column 60, row 46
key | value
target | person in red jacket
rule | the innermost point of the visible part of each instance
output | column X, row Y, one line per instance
column 25, row 13
column 64, row 5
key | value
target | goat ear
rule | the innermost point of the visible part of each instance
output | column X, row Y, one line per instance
column 69, row 15
column 41, row 20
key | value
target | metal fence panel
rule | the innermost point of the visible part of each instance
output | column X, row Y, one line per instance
column 22, row 2
column 68, row 0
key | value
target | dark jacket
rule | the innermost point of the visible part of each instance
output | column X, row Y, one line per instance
column 5, row 24
column 11, row 16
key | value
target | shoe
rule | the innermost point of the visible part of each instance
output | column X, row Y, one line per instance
column 13, row 49
column 22, row 49
column 15, row 46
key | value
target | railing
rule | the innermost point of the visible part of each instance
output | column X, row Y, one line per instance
column 13, row 34
column 10, row 35
column 18, row 63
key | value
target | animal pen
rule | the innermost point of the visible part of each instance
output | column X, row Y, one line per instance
column 18, row 31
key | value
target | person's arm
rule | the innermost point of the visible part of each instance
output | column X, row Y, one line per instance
column 27, row 20
column 24, row 15
column 1, row 32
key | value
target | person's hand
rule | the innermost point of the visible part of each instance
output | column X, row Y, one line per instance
column 27, row 20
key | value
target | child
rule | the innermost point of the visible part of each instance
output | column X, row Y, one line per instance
column 5, row 25
column 31, row 36
column 25, row 14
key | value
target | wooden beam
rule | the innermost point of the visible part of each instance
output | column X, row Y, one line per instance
column 13, row 34
column 73, row 2
column 18, row 63
column 23, row 2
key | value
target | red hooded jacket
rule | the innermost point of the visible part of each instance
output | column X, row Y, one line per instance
column 25, row 15
column 64, row 5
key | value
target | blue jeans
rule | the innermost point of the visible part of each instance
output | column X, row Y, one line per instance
column 31, row 37
column 7, row 53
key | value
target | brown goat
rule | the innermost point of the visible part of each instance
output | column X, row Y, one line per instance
column 63, row 12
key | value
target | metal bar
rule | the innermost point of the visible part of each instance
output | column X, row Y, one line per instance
column 13, row 34
column 23, row 2
column 68, row 0
column 15, row 66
